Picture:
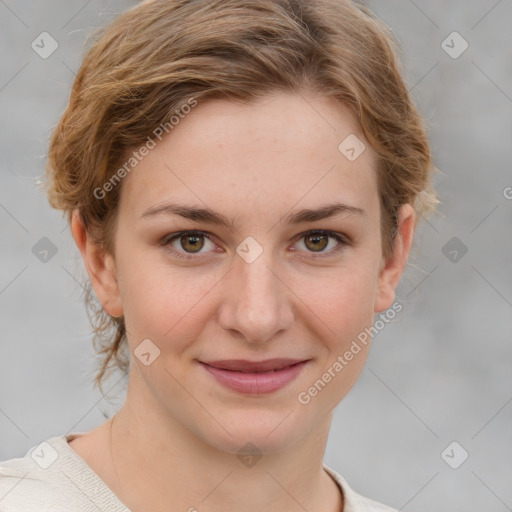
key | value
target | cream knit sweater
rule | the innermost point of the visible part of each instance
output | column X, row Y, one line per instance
column 52, row 477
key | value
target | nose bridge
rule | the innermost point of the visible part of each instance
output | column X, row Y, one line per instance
column 258, row 307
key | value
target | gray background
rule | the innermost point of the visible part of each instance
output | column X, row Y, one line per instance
column 439, row 374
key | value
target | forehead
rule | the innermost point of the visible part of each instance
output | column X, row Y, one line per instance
column 265, row 156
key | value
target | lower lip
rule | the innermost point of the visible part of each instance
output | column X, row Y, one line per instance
column 255, row 383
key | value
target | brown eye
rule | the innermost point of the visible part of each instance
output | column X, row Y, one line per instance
column 324, row 243
column 316, row 242
column 192, row 243
column 187, row 244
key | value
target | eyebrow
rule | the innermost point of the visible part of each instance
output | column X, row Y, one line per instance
column 208, row 216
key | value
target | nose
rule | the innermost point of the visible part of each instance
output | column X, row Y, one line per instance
column 256, row 304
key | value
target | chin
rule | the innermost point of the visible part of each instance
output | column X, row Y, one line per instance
column 268, row 431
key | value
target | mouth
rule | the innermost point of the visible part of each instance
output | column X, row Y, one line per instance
column 255, row 377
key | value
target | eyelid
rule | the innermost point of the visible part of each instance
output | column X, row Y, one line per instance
column 341, row 238
column 166, row 241
column 334, row 234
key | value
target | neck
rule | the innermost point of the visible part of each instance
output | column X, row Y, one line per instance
column 160, row 464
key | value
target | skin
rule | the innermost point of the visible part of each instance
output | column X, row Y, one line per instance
column 174, row 441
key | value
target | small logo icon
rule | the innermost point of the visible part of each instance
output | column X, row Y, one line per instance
column 454, row 249
column 454, row 45
column 44, row 455
column 454, row 455
column 351, row 147
column 249, row 455
column 44, row 45
column 146, row 352
column 44, row 250
column 249, row 249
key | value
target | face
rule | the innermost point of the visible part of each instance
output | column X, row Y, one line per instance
column 254, row 276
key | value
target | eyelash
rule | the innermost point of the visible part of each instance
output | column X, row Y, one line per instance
column 166, row 241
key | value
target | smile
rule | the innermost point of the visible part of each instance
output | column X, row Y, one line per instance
column 255, row 377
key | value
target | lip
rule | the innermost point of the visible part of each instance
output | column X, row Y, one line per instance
column 255, row 377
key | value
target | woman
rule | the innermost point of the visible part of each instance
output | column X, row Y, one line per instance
column 243, row 181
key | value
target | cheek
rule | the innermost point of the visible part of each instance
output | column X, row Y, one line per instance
column 342, row 299
column 344, row 303
column 161, row 302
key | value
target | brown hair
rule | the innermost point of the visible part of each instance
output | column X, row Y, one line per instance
column 155, row 57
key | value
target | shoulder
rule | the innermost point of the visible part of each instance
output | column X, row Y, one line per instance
column 52, row 477
column 28, row 483
column 354, row 502
column 48, row 478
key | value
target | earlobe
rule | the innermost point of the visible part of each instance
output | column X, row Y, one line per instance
column 392, row 268
column 100, row 268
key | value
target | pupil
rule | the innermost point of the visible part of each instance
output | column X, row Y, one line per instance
column 316, row 238
column 194, row 241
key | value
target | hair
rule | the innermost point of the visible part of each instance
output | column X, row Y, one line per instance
column 160, row 54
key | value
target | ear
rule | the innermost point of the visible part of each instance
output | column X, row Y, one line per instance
column 100, row 267
column 392, row 268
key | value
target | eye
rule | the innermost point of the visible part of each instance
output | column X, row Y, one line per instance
column 316, row 241
column 186, row 244
column 191, row 242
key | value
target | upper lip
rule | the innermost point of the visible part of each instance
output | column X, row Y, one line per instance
column 242, row 365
